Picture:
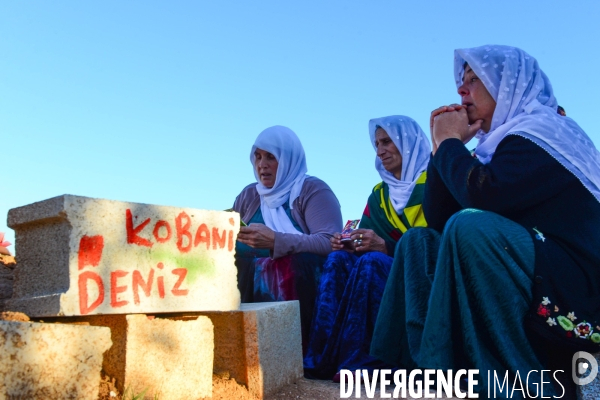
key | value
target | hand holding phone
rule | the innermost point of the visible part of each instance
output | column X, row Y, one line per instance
column 351, row 225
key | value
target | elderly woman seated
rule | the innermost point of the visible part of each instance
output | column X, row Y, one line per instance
column 354, row 276
column 507, row 277
column 290, row 217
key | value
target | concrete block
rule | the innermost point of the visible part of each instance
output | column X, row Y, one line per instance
column 7, row 266
column 260, row 345
column 5, row 288
column 82, row 256
column 172, row 359
column 48, row 361
column 591, row 391
column 273, row 345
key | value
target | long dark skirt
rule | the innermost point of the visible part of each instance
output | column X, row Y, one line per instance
column 458, row 301
column 293, row 277
column 347, row 306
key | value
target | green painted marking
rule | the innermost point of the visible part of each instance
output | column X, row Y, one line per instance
column 197, row 266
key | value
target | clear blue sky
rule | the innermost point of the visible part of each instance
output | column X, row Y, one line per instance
column 159, row 102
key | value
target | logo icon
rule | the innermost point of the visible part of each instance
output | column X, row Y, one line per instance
column 584, row 368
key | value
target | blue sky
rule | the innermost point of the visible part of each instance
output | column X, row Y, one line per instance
column 159, row 102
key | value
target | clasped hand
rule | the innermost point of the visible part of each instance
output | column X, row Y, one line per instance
column 361, row 240
column 449, row 122
column 257, row 236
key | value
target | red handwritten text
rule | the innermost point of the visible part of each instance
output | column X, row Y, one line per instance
column 185, row 237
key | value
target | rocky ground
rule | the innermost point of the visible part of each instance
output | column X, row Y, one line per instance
column 308, row 389
column 228, row 389
column 314, row 389
column 223, row 387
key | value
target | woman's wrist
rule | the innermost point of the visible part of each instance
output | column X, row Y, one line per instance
column 381, row 246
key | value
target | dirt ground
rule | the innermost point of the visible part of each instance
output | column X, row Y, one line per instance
column 228, row 389
column 315, row 389
column 308, row 389
column 225, row 388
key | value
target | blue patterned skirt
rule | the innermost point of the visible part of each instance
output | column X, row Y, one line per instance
column 346, row 308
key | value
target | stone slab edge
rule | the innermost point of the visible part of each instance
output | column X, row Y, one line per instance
column 44, row 305
column 48, row 209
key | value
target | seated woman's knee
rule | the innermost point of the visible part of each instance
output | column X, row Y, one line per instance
column 336, row 257
column 413, row 236
column 468, row 222
column 372, row 259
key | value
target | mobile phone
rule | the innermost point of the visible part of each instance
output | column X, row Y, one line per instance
column 351, row 225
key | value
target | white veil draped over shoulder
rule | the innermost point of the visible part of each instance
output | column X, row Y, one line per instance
column 526, row 106
column 285, row 145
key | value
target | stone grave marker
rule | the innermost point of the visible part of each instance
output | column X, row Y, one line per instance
column 51, row 361
column 85, row 256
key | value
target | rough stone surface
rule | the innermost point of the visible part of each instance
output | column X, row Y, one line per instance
column 171, row 359
column 13, row 316
column 259, row 346
column 273, row 345
column 168, row 358
column 114, row 362
column 48, row 361
column 7, row 265
column 80, row 256
column 591, row 391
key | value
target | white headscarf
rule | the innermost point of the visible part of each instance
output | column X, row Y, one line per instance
column 414, row 149
column 283, row 143
column 525, row 103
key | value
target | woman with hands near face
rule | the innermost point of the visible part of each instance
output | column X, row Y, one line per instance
column 355, row 273
column 462, row 122
column 290, row 217
column 509, row 262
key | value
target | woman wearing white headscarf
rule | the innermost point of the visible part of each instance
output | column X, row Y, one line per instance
column 512, row 284
column 353, row 279
column 290, row 217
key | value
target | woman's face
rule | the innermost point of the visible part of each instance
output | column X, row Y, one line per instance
column 266, row 167
column 479, row 102
column 388, row 153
